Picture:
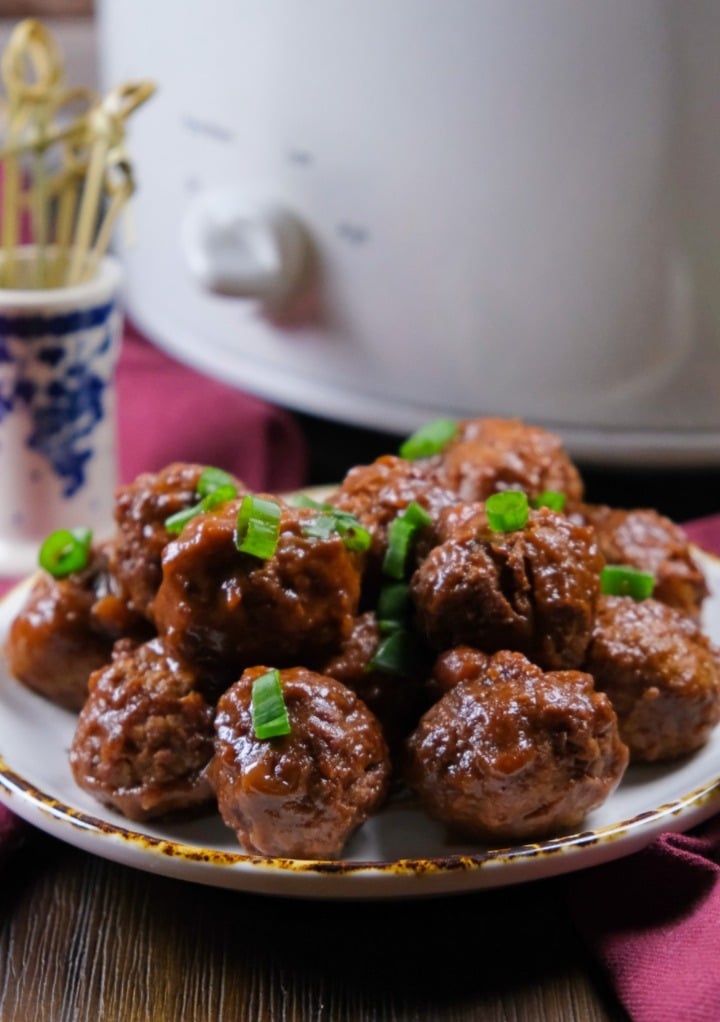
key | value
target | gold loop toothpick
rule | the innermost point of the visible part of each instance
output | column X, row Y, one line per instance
column 63, row 157
column 32, row 66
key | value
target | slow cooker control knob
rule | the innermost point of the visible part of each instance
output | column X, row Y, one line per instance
column 238, row 245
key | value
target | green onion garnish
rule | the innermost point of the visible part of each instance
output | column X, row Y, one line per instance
column 622, row 580
column 332, row 519
column 386, row 626
column 214, row 487
column 507, row 511
column 554, row 499
column 175, row 523
column 354, row 536
column 322, row 527
column 393, row 602
column 269, row 713
column 258, row 526
column 398, row 653
column 429, row 439
column 212, row 479
column 219, row 495
column 302, row 500
column 402, row 532
column 65, row 551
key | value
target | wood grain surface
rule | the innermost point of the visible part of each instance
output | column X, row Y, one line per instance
column 82, row 938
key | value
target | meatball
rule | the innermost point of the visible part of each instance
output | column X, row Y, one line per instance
column 377, row 493
column 141, row 509
column 488, row 455
column 533, row 590
column 456, row 665
column 396, row 697
column 223, row 610
column 661, row 673
column 645, row 539
column 512, row 753
column 301, row 795
column 144, row 736
column 66, row 630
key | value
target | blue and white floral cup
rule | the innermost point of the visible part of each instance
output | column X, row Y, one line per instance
column 58, row 463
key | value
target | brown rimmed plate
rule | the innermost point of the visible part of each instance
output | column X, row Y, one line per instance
column 397, row 854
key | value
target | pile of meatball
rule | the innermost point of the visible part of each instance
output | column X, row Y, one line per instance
column 527, row 691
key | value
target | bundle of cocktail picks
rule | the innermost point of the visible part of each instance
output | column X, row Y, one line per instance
column 66, row 174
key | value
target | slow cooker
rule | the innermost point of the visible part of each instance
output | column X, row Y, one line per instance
column 384, row 212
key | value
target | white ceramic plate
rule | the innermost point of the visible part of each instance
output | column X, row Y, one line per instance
column 399, row 853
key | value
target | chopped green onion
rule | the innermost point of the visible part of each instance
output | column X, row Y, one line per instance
column 403, row 531
column 269, row 713
column 429, row 439
column 213, row 479
column 218, row 496
column 393, row 602
column 622, row 580
column 354, row 536
column 302, row 500
column 416, row 515
column 177, row 522
column 554, row 499
column 322, row 527
column 507, row 511
column 214, row 487
column 65, row 551
column 386, row 626
column 398, row 653
column 258, row 526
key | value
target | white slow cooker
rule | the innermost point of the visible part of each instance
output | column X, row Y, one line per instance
column 380, row 212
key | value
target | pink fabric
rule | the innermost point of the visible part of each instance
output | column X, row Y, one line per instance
column 168, row 412
column 653, row 921
column 705, row 532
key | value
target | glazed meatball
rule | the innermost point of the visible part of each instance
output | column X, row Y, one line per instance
column 458, row 664
column 533, row 590
column 66, row 630
column 222, row 610
column 661, row 673
column 396, row 697
column 488, row 455
column 377, row 493
column 301, row 795
column 144, row 736
column 645, row 539
column 141, row 509
column 511, row 753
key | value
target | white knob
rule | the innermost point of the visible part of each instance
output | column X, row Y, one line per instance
column 235, row 244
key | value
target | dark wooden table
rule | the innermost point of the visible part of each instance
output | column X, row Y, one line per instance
column 84, row 938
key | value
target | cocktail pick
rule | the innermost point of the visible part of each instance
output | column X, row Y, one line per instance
column 65, row 186
column 32, row 72
column 119, row 185
column 107, row 127
column 80, row 175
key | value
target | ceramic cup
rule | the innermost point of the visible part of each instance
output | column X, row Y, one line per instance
column 58, row 465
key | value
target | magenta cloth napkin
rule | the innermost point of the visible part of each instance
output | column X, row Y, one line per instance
column 169, row 412
column 653, row 919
